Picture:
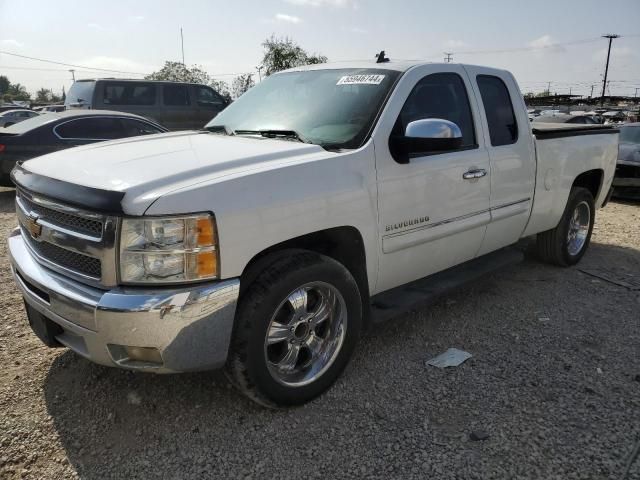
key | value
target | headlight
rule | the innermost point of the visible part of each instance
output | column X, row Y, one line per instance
column 168, row 249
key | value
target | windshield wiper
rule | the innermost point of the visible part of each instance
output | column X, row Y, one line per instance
column 218, row 129
column 274, row 134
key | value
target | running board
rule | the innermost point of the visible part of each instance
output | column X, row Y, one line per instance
column 419, row 293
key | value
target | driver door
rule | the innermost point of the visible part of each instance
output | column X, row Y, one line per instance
column 432, row 213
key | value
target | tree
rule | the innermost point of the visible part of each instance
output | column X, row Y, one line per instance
column 4, row 84
column 241, row 84
column 222, row 88
column 177, row 72
column 43, row 96
column 17, row 92
column 283, row 53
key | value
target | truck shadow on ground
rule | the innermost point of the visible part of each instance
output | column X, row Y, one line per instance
column 115, row 423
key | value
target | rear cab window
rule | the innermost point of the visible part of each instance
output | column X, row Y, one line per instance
column 129, row 93
column 498, row 108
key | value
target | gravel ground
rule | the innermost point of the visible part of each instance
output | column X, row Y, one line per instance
column 554, row 381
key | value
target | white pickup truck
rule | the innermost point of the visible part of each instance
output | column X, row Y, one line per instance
column 262, row 243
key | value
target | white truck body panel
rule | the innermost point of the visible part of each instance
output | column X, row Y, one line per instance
column 267, row 191
column 560, row 161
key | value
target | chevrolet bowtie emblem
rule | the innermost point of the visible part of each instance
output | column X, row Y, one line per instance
column 31, row 224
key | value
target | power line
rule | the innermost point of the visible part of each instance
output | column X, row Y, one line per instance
column 530, row 48
column 83, row 67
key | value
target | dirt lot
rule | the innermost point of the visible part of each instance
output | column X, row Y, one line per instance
column 554, row 380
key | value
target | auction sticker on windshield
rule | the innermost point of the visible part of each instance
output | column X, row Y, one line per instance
column 361, row 80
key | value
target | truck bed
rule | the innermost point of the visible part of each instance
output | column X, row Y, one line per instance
column 556, row 130
column 563, row 151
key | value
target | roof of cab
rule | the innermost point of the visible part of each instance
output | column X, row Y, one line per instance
column 396, row 65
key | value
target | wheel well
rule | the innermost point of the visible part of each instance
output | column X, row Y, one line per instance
column 343, row 244
column 591, row 180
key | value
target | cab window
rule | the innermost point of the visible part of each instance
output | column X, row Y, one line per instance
column 503, row 128
column 440, row 95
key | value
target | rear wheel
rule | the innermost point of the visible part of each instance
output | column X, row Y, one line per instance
column 567, row 243
column 296, row 327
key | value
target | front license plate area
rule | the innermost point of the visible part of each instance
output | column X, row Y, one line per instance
column 45, row 329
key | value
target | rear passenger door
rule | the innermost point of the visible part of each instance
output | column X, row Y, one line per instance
column 508, row 139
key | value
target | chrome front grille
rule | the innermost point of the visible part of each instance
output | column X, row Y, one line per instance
column 75, row 222
column 66, row 258
column 72, row 241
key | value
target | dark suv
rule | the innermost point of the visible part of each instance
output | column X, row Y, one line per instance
column 177, row 106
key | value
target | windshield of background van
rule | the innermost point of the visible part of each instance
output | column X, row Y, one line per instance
column 331, row 108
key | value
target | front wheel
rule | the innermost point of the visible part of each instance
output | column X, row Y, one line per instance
column 567, row 243
column 296, row 327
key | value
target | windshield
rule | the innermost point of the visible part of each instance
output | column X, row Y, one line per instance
column 80, row 92
column 630, row 135
column 331, row 108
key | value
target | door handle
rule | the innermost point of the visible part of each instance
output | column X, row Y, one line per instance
column 475, row 173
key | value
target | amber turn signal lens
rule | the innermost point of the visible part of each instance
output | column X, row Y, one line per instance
column 207, row 264
column 206, row 232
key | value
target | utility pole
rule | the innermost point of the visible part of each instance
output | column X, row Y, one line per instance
column 449, row 57
column 591, row 95
column 73, row 74
column 635, row 95
column 259, row 68
column 610, row 36
column 182, row 44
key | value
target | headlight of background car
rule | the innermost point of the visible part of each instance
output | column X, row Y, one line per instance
column 168, row 249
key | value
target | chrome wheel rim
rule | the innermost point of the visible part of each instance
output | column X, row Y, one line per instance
column 578, row 228
column 305, row 334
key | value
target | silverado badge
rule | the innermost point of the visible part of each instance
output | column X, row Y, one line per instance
column 32, row 225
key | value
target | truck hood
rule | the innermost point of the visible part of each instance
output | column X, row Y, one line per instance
column 145, row 168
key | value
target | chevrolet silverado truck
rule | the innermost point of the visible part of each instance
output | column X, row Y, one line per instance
column 263, row 243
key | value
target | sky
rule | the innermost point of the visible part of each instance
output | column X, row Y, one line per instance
column 540, row 41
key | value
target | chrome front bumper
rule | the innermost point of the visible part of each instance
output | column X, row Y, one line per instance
column 190, row 327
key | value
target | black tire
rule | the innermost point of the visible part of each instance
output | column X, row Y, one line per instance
column 247, row 366
column 552, row 245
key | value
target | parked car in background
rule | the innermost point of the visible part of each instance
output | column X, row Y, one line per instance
column 177, row 106
column 50, row 108
column 49, row 132
column 11, row 117
column 627, row 179
column 566, row 118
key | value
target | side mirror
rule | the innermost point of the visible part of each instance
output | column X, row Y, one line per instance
column 425, row 136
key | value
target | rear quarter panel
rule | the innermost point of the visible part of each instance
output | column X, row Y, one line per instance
column 559, row 162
